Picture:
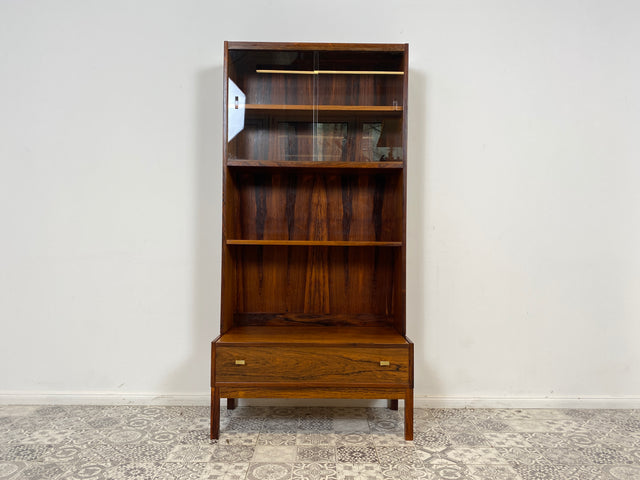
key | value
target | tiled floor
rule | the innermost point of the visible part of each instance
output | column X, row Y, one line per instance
column 165, row 443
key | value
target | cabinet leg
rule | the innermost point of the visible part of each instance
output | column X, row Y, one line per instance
column 392, row 404
column 215, row 413
column 408, row 414
column 231, row 403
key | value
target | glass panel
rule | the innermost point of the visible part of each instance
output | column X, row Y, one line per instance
column 278, row 87
column 303, row 106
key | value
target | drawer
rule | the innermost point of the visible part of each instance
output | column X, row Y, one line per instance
column 290, row 364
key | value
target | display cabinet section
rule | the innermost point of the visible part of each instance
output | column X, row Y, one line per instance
column 332, row 137
column 318, row 206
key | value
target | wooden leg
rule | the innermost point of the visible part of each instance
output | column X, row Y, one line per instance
column 231, row 403
column 392, row 404
column 408, row 415
column 215, row 413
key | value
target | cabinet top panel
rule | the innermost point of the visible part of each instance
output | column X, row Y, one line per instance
column 374, row 47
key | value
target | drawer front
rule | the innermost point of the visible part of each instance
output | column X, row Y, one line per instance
column 312, row 364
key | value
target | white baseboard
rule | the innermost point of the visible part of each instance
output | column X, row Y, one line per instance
column 589, row 401
column 420, row 401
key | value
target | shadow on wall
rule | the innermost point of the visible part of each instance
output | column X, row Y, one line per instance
column 192, row 376
column 426, row 381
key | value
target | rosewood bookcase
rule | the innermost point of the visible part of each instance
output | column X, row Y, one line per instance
column 314, row 225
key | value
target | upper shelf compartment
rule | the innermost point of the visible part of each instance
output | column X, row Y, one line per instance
column 309, row 106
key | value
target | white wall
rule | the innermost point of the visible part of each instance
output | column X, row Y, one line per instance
column 524, row 214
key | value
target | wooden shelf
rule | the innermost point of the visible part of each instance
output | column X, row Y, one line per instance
column 329, row 72
column 323, row 108
column 321, row 335
column 239, row 162
column 314, row 243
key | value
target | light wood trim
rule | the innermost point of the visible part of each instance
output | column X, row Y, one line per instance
column 241, row 162
column 316, row 335
column 315, row 243
column 332, row 72
column 325, row 47
column 325, row 108
column 297, row 391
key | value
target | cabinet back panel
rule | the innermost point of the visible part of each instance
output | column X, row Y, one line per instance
column 313, row 206
column 315, row 280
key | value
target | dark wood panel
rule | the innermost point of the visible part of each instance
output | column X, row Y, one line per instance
column 316, row 319
column 350, row 280
column 306, row 364
column 380, row 336
column 301, row 206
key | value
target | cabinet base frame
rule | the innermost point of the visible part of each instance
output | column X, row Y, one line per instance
column 391, row 394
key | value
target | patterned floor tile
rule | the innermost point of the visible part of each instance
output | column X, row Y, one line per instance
column 314, row 471
column 232, row 454
column 473, row 456
column 350, row 425
column 316, row 453
column 42, row 470
column 181, row 471
column 353, row 439
column 507, row 440
column 468, row 439
column 445, row 470
column 245, row 424
column 359, row 471
column 392, row 455
column 269, row 471
column 304, row 438
column 493, row 472
column 63, row 453
column 559, row 472
column 275, row 439
column 133, row 471
column 271, row 453
column 606, row 455
column 143, row 452
column 434, row 440
column 238, row 438
column 11, row 470
column 25, row 453
column 546, row 426
column 280, row 425
column 522, row 456
column 621, row 472
column 492, row 425
column 404, row 471
column 386, row 425
column 564, row 456
column 356, row 454
column 315, row 424
column 86, row 471
column 190, row 453
column 225, row 471
column 171, row 443
column 389, row 440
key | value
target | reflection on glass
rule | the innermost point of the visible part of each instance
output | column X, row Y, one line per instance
column 236, row 102
column 380, row 141
column 297, row 141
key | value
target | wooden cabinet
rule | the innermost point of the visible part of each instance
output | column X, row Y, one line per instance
column 314, row 225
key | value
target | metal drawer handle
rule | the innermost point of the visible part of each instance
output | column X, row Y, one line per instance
column 384, row 363
column 239, row 362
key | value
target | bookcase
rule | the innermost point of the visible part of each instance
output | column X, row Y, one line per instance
column 314, row 225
